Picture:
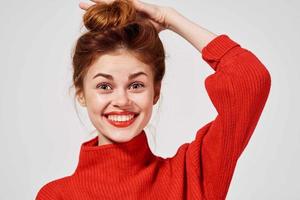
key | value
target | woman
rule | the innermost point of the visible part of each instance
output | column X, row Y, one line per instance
column 119, row 65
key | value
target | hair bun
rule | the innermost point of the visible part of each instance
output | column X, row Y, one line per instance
column 102, row 16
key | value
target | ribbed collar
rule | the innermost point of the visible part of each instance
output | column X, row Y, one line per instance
column 114, row 161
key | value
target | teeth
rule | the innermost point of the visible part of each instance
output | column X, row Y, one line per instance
column 120, row 117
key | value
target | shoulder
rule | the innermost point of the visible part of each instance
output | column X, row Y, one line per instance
column 52, row 190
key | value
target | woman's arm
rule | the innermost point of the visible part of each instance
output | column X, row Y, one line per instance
column 238, row 89
column 198, row 36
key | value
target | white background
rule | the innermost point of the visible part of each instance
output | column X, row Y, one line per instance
column 40, row 133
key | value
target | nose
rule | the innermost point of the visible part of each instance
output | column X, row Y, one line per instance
column 121, row 99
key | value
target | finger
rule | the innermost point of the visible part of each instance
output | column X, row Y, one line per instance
column 101, row 1
column 145, row 7
column 85, row 6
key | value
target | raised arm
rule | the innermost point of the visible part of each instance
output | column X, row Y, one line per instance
column 238, row 89
column 198, row 36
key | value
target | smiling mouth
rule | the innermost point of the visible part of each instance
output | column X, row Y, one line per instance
column 134, row 115
column 121, row 121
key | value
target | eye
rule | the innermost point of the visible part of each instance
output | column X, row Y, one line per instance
column 137, row 85
column 103, row 86
column 106, row 86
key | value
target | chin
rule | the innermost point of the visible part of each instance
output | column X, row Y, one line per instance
column 119, row 136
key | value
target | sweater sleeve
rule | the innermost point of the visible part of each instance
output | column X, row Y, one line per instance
column 238, row 89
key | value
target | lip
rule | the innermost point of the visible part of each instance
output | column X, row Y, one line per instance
column 121, row 113
column 121, row 124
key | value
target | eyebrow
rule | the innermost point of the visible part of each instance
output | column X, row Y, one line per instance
column 131, row 76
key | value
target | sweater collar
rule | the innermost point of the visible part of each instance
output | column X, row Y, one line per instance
column 116, row 159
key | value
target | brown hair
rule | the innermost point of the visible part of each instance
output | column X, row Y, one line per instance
column 117, row 26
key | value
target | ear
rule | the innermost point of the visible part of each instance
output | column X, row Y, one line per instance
column 157, row 88
column 81, row 99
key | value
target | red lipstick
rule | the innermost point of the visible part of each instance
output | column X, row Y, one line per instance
column 121, row 124
column 120, row 113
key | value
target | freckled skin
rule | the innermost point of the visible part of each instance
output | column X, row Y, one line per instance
column 119, row 94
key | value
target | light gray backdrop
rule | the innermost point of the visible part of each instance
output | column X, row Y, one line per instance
column 41, row 134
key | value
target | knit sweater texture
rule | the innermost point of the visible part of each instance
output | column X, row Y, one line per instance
column 201, row 169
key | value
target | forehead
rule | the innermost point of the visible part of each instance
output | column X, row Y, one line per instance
column 120, row 63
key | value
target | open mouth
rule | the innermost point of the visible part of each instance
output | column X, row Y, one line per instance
column 135, row 115
column 121, row 121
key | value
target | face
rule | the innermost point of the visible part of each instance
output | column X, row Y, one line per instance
column 119, row 95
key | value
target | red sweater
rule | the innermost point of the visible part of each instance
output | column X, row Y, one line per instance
column 201, row 169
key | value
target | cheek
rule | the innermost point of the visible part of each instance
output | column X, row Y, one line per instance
column 97, row 102
column 144, row 100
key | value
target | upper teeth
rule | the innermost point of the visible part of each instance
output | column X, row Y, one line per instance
column 120, row 117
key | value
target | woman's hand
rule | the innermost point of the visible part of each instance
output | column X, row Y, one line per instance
column 158, row 15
